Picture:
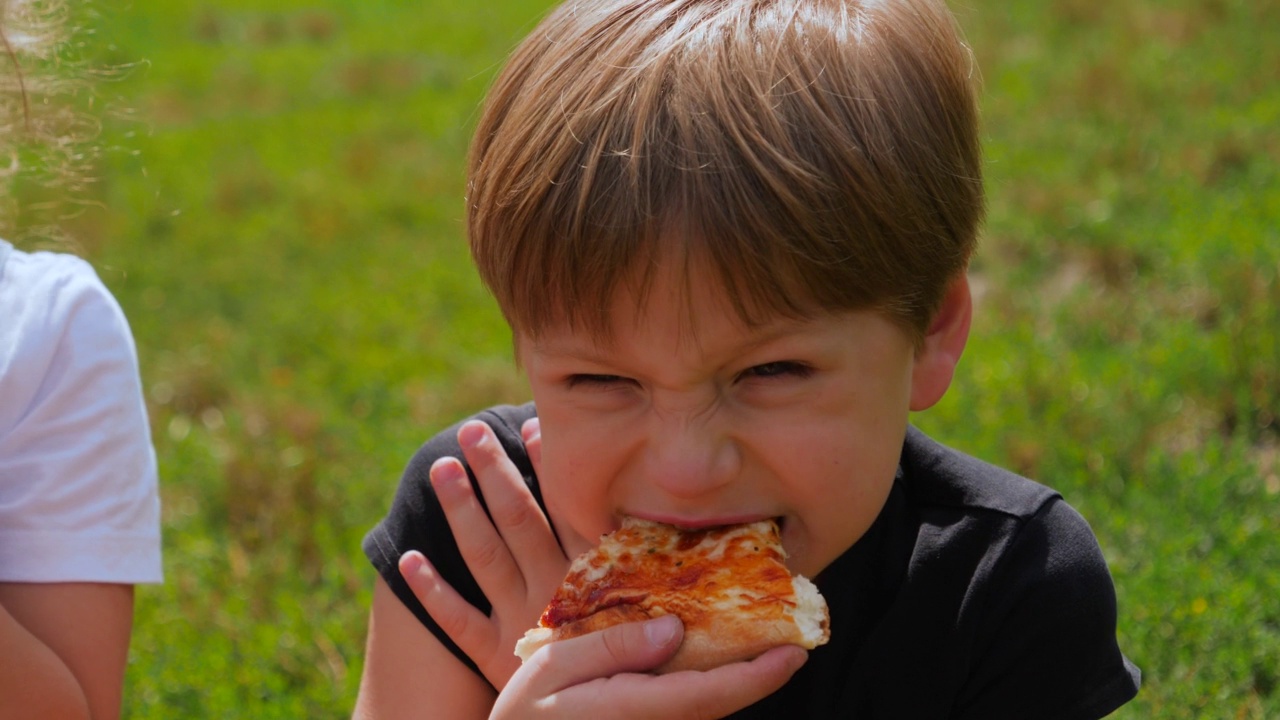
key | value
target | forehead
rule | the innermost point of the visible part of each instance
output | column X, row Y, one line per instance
column 683, row 295
column 676, row 306
column 682, row 282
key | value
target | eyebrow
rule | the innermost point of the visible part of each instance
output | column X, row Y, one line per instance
column 578, row 349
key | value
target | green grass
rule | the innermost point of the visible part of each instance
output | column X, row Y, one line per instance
column 280, row 214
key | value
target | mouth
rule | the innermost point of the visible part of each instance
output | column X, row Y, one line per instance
column 710, row 523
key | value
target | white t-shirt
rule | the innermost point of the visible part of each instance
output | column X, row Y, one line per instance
column 78, row 485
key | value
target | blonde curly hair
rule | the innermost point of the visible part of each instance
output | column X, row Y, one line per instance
column 47, row 138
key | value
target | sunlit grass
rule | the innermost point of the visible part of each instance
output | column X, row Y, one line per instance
column 281, row 217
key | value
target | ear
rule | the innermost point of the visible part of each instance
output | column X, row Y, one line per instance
column 944, row 341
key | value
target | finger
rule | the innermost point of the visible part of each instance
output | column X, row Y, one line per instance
column 469, row 628
column 595, row 675
column 514, row 511
column 482, row 548
column 724, row 690
column 693, row 695
column 632, row 647
column 531, row 432
column 627, row 648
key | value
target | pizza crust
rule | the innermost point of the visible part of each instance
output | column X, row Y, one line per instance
column 728, row 586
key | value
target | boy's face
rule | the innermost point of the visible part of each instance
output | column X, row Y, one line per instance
column 705, row 421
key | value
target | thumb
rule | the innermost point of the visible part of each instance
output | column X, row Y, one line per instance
column 626, row 648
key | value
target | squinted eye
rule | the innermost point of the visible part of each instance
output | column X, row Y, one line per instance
column 596, row 380
column 782, row 368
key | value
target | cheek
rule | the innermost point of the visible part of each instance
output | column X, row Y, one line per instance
column 575, row 481
column 840, row 471
column 561, row 472
column 833, row 519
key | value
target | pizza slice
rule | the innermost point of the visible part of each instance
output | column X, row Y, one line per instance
column 728, row 585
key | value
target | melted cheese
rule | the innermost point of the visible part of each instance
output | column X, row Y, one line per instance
column 660, row 569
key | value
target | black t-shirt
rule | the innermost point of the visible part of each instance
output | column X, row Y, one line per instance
column 975, row 594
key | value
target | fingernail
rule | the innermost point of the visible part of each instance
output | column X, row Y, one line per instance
column 531, row 429
column 471, row 435
column 410, row 563
column 661, row 631
column 446, row 471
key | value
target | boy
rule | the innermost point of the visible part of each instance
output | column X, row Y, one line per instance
column 731, row 239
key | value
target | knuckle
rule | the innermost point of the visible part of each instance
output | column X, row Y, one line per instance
column 486, row 555
column 514, row 515
column 620, row 642
column 452, row 618
column 632, row 647
column 453, row 621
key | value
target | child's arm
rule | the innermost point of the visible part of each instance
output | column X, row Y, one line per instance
column 63, row 648
column 410, row 674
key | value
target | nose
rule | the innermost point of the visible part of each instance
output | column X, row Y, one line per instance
column 690, row 458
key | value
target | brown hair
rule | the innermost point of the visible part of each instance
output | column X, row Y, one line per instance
column 822, row 155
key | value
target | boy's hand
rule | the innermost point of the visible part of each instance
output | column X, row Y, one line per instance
column 599, row 676
column 515, row 558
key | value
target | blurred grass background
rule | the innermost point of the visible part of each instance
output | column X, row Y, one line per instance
column 278, row 208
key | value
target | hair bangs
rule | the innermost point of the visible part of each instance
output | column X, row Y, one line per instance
column 776, row 144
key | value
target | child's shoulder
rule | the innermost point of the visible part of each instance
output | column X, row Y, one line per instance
column 988, row 584
column 40, row 292
column 933, row 474
column 60, row 323
column 505, row 421
column 44, row 269
column 1009, row 530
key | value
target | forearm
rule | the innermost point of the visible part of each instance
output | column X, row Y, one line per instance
column 34, row 681
column 56, row 629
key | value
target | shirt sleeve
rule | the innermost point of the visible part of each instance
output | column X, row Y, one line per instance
column 78, row 484
column 417, row 522
column 1048, row 641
